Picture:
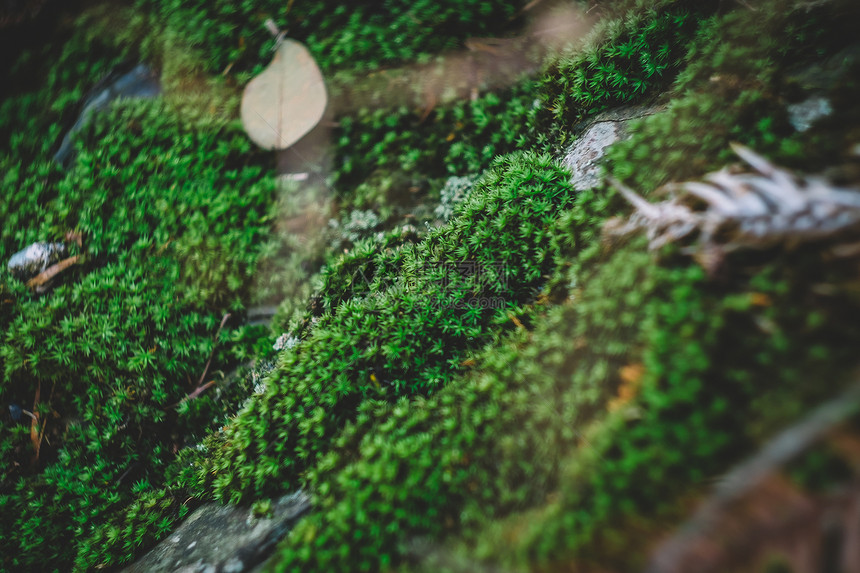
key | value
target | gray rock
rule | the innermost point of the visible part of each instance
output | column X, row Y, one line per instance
column 583, row 158
column 802, row 115
column 140, row 82
column 29, row 262
column 224, row 539
column 585, row 155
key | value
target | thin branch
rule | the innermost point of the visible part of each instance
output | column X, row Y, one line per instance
column 42, row 278
column 212, row 353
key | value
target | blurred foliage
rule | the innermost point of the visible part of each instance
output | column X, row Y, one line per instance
column 732, row 90
column 361, row 35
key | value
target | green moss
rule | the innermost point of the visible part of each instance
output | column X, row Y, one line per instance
column 122, row 533
column 362, row 35
column 106, row 357
column 695, row 373
column 407, row 339
column 487, row 444
column 172, row 206
column 625, row 60
column 170, row 217
column 715, row 374
column 369, row 267
column 454, row 139
column 706, row 363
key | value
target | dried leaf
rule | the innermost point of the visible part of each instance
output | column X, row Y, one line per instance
column 286, row 101
column 35, row 437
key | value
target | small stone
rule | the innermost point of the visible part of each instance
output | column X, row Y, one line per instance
column 804, row 114
column 29, row 262
column 16, row 412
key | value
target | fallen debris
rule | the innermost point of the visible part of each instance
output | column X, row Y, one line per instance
column 35, row 259
column 42, row 281
column 743, row 210
column 287, row 100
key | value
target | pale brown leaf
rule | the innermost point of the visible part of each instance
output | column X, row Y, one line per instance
column 286, row 101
